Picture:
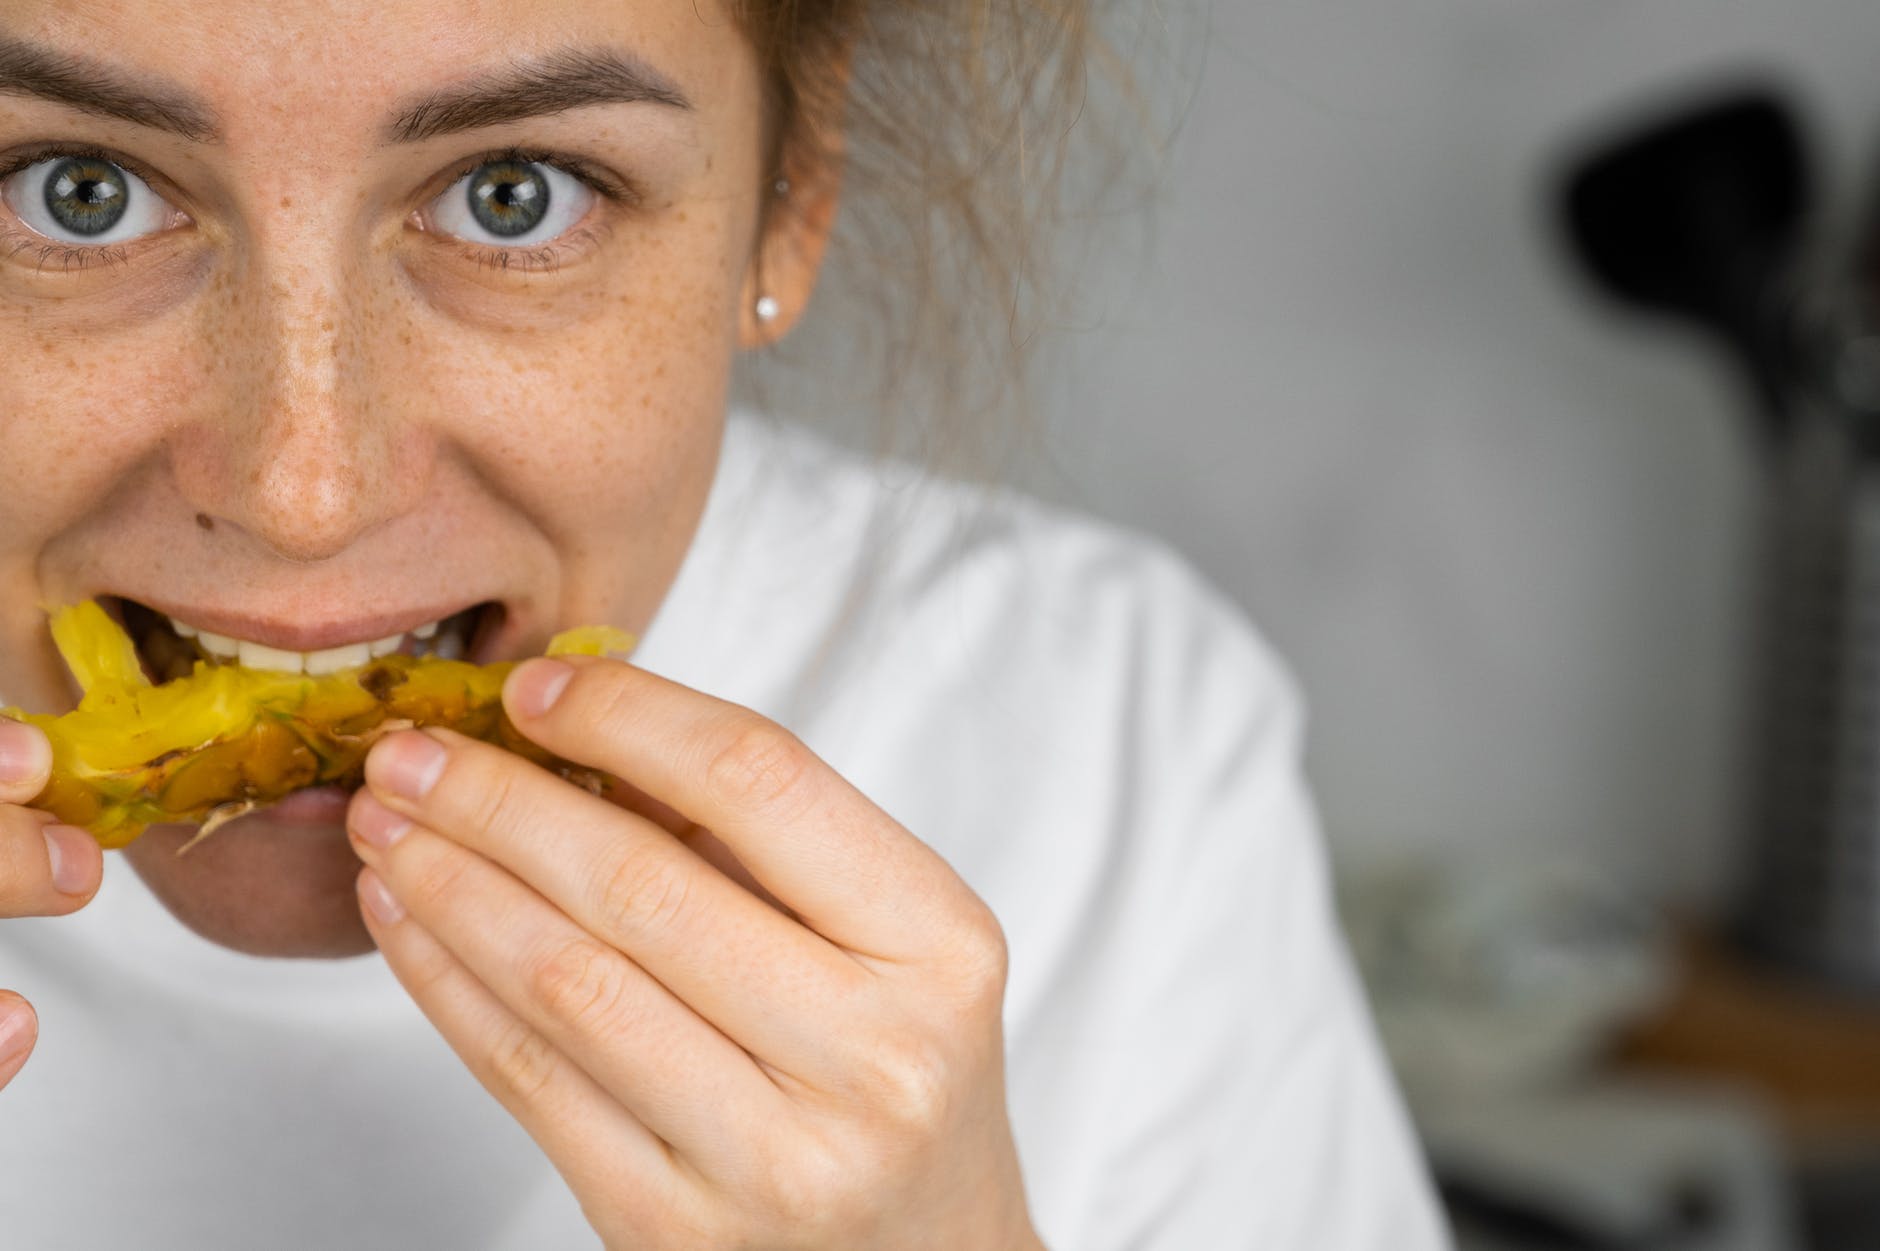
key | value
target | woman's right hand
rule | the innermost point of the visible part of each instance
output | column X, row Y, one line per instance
column 46, row 869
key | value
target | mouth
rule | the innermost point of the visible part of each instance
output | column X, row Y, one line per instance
column 171, row 643
column 249, row 730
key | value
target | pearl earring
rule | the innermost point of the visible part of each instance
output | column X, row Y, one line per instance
column 767, row 308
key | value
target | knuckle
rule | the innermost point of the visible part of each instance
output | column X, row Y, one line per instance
column 600, row 698
column 646, row 890
column 436, row 884
column 22, row 791
column 523, row 1064
column 810, row 1186
column 910, row 1083
column 982, row 958
column 30, row 741
column 25, row 882
column 430, row 975
column 760, row 766
column 493, row 798
column 581, row 983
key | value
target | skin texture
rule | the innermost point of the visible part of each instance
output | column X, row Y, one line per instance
column 301, row 404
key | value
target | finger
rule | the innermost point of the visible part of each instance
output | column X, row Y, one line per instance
column 596, row 1143
column 708, row 846
column 639, row 803
column 670, row 1068
column 19, row 1030
column 25, row 761
column 815, row 842
column 46, row 869
column 633, row 886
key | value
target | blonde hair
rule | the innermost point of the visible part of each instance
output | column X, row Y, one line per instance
column 952, row 125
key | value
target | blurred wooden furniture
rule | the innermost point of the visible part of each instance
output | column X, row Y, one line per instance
column 1813, row 1053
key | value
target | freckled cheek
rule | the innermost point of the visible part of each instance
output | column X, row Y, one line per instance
column 600, row 421
column 83, row 415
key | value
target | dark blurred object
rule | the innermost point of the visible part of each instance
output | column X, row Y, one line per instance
column 1700, row 216
column 1809, row 1053
column 1704, row 215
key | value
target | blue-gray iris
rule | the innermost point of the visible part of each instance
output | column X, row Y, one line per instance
column 87, row 196
column 508, row 198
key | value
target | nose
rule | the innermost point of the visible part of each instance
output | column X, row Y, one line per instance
column 300, row 447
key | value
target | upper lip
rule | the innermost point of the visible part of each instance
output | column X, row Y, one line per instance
column 301, row 635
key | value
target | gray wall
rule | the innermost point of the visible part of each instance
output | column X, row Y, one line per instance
column 1502, row 535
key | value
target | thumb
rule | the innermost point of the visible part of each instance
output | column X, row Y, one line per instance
column 19, row 1030
column 25, row 761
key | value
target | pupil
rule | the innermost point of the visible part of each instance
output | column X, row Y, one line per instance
column 509, row 198
column 87, row 197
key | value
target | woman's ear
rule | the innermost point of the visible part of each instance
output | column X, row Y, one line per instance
column 799, row 213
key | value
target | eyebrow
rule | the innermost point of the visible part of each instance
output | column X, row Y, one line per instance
column 564, row 80
column 570, row 79
column 29, row 70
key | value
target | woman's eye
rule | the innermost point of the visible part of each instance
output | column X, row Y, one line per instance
column 82, row 200
column 511, row 204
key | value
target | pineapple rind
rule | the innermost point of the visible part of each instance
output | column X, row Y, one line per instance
column 132, row 755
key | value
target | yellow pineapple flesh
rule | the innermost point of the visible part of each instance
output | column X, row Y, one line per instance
column 225, row 739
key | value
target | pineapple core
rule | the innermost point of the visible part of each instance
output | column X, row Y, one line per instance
column 226, row 740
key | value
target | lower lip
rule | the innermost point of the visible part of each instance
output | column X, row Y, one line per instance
column 319, row 805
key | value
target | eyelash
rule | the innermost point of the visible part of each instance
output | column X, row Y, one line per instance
column 548, row 257
column 13, row 164
column 537, row 259
column 52, row 253
column 63, row 256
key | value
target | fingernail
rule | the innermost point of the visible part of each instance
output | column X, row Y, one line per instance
column 537, row 684
column 71, row 874
column 16, row 1036
column 376, row 824
column 410, row 765
column 23, row 752
column 378, row 900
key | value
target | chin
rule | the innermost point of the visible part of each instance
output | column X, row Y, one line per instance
column 261, row 885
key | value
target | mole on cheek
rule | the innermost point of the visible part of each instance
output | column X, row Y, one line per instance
column 204, row 521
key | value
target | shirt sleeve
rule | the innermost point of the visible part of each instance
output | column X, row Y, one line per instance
column 1230, row 1074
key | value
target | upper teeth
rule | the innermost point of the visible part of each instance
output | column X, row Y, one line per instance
column 328, row 660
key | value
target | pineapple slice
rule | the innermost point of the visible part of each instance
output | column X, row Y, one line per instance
column 226, row 740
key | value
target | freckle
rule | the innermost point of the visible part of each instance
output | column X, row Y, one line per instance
column 204, row 522
column 287, row 201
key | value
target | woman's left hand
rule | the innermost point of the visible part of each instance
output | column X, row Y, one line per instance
column 771, row 1021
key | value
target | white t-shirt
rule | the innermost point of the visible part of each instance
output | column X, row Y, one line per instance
column 1095, row 740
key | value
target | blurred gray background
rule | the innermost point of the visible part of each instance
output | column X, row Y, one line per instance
column 1502, row 532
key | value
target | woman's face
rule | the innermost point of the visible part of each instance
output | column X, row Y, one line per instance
column 324, row 319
